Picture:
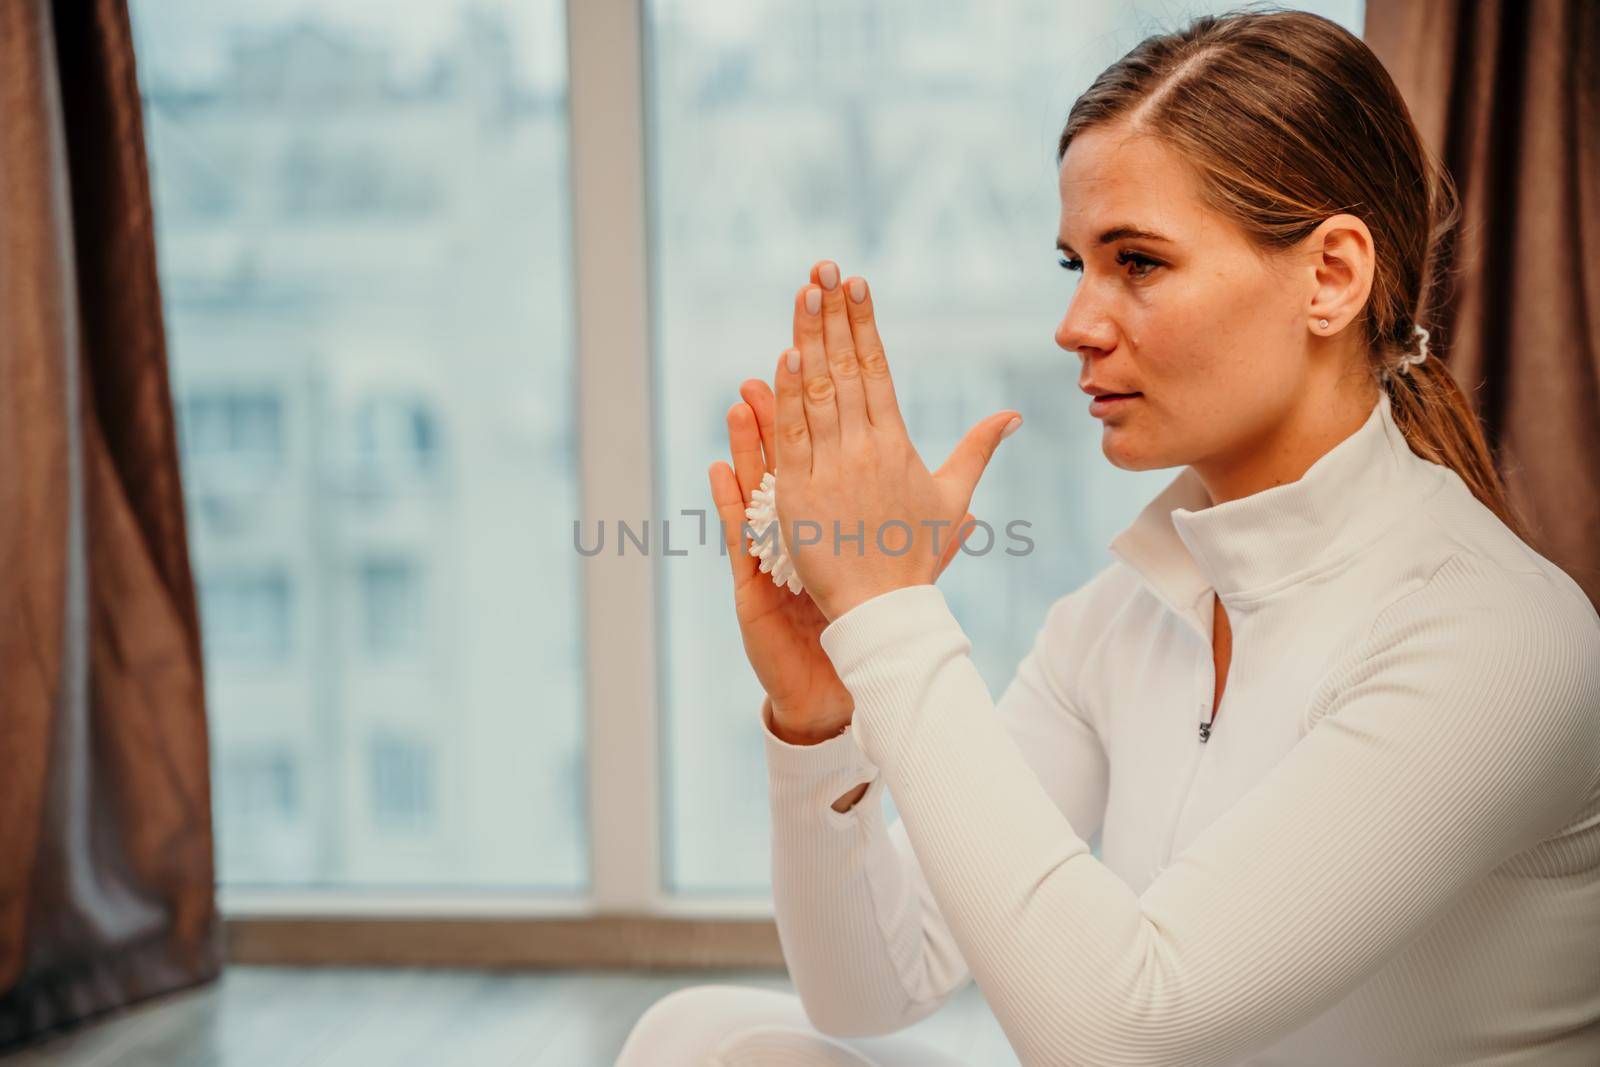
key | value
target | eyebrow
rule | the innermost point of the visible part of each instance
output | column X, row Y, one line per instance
column 1117, row 233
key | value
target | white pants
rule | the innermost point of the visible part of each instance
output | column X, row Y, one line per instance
column 746, row 1026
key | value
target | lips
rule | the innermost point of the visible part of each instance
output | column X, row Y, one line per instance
column 1104, row 403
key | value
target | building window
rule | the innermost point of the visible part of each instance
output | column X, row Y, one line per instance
column 261, row 785
column 246, row 615
column 234, row 424
column 391, row 607
column 396, row 439
column 402, row 783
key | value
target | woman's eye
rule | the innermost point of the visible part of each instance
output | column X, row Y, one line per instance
column 1070, row 264
column 1143, row 264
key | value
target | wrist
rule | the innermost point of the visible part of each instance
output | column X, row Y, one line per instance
column 805, row 728
column 845, row 601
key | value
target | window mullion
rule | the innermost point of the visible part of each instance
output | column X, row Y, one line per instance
column 605, row 79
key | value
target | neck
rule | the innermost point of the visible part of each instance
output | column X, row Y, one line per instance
column 1288, row 448
column 1185, row 547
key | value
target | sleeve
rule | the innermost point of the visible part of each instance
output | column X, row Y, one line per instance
column 867, row 948
column 1463, row 731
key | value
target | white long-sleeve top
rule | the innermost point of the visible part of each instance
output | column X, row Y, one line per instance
column 1386, row 853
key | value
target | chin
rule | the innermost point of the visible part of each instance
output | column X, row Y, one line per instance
column 1131, row 460
column 1128, row 455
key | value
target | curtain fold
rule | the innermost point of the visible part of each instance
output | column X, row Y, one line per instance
column 106, row 887
column 1507, row 93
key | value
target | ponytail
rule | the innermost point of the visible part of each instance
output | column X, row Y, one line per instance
column 1428, row 405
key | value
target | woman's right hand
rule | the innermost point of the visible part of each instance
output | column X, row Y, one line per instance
column 780, row 629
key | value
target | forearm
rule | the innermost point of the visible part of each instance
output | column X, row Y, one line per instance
column 860, row 948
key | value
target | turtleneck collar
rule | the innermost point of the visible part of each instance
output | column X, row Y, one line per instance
column 1183, row 546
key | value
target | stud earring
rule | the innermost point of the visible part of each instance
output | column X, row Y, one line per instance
column 1323, row 323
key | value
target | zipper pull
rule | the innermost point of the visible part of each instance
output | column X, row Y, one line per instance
column 1205, row 732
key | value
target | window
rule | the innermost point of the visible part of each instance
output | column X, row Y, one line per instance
column 912, row 142
column 397, row 426
column 261, row 785
column 245, row 424
column 391, row 607
column 402, row 783
column 363, row 224
column 259, row 806
column 246, row 615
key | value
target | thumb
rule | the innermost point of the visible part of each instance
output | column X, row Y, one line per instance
column 969, row 458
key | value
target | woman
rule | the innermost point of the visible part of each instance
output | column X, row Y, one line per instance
column 1336, row 724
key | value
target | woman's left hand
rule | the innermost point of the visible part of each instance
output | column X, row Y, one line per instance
column 845, row 459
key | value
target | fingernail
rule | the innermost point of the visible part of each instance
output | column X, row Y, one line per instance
column 1011, row 428
column 858, row 289
column 828, row 275
column 813, row 301
column 794, row 361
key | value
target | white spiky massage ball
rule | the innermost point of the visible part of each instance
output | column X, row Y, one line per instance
column 771, row 550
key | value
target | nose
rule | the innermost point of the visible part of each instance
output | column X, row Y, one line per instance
column 1084, row 328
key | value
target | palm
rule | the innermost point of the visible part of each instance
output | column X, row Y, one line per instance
column 781, row 630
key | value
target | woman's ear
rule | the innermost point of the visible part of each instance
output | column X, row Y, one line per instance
column 1340, row 265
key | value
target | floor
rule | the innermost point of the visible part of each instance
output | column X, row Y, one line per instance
column 281, row 1016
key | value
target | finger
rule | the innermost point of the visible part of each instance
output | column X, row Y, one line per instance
column 840, row 346
column 744, row 444
column 792, row 435
column 758, row 394
column 730, row 510
column 969, row 458
column 883, row 408
column 816, row 386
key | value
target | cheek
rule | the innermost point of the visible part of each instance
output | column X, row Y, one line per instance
column 1178, row 337
column 1206, row 333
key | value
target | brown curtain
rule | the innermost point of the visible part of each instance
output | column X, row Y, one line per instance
column 1507, row 92
column 106, row 887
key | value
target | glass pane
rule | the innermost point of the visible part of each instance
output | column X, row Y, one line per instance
column 914, row 143
column 363, row 228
